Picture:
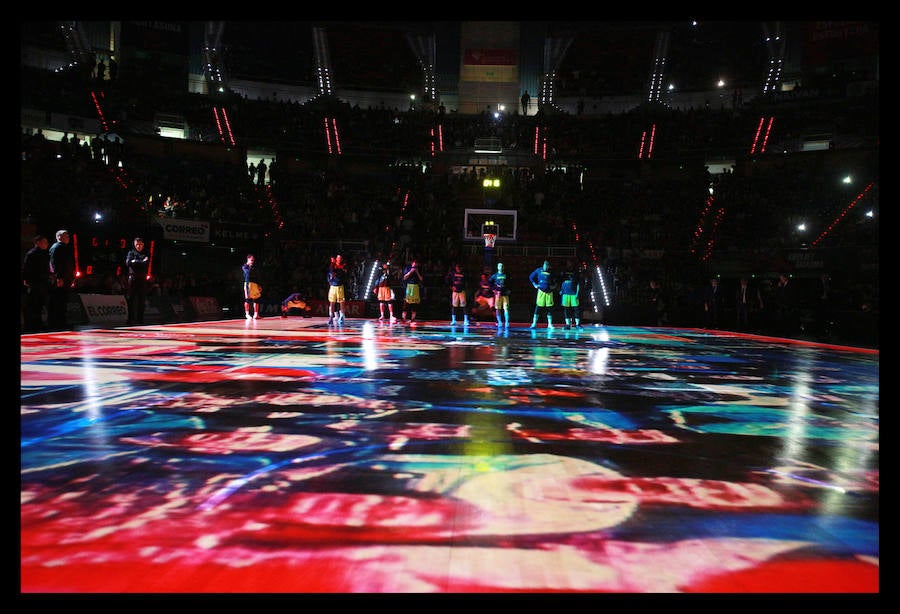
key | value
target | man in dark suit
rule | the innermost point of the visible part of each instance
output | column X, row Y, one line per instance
column 787, row 315
column 36, row 281
column 138, row 263
column 62, row 280
column 712, row 304
column 746, row 299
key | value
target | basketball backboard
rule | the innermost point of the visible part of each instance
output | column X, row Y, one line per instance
column 479, row 221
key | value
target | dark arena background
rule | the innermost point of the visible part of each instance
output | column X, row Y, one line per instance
column 704, row 421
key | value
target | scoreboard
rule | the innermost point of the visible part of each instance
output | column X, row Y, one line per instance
column 99, row 253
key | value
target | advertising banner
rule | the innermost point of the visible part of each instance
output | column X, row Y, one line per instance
column 490, row 66
column 175, row 229
column 355, row 309
column 490, row 57
column 109, row 309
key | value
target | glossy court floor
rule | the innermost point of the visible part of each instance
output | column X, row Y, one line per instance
column 287, row 456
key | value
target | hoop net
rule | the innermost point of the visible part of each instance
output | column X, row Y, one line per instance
column 489, row 239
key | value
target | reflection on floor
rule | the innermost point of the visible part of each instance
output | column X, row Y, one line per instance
column 284, row 455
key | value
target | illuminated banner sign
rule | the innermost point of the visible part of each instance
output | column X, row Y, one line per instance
column 490, row 57
column 490, row 74
column 830, row 41
column 105, row 308
column 490, row 66
column 184, row 230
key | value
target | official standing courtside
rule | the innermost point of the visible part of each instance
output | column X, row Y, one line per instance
column 62, row 280
column 712, row 303
column 36, row 282
column 138, row 263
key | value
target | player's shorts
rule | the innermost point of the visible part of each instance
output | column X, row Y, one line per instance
column 569, row 300
column 458, row 299
column 335, row 294
column 500, row 301
column 385, row 294
column 252, row 290
column 412, row 294
column 544, row 299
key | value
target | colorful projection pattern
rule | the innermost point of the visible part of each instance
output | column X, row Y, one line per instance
column 284, row 456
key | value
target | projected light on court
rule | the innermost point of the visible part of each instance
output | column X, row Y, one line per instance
column 369, row 350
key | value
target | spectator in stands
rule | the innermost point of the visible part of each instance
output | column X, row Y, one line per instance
column 97, row 149
column 37, row 146
column 169, row 207
column 64, row 146
column 261, row 169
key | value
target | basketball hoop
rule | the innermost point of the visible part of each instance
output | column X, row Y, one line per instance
column 489, row 239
